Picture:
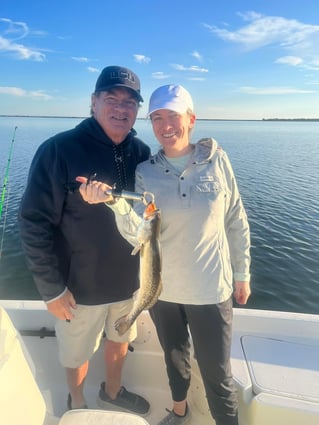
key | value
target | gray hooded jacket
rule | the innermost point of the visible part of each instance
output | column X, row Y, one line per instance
column 204, row 236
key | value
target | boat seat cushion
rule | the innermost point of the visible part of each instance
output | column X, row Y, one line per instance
column 100, row 417
column 19, row 392
column 283, row 368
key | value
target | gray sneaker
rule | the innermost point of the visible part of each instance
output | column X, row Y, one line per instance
column 173, row 419
column 125, row 401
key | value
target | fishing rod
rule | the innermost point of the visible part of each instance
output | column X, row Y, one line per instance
column 6, row 175
column 4, row 188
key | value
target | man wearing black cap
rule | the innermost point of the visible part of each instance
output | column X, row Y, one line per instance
column 81, row 265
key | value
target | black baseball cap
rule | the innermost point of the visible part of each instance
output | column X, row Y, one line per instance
column 118, row 76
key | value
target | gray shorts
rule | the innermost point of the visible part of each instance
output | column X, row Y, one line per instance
column 80, row 338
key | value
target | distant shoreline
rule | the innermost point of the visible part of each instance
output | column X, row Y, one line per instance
column 290, row 119
column 199, row 119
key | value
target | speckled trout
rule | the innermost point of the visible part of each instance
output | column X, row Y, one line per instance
column 150, row 267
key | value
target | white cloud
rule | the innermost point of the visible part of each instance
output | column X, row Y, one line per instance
column 80, row 58
column 39, row 94
column 21, row 51
column 290, row 60
column 64, row 37
column 197, row 55
column 312, row 65
column 160, row 75
column 141, row 59
column 19, row 92
column 92, row 69
column 193, row 68
column 13, row 91
column 273, row 90
column 16, row 31
column 264, row 30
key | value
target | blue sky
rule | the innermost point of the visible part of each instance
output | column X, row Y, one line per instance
column 239, row 59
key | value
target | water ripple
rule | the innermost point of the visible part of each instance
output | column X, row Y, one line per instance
column 276, row 165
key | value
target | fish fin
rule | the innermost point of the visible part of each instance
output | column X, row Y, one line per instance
column 122, row 325
column 136, row 249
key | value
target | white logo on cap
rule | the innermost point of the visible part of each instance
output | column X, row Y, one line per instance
column 122, row 75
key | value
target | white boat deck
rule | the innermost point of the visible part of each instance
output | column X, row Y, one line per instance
column 274, row 361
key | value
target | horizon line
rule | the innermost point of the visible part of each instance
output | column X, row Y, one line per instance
column 144, row 119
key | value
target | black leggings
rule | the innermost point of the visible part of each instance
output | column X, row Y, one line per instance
column 211, row 330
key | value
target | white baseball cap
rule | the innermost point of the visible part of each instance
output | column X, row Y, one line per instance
column 172, row 97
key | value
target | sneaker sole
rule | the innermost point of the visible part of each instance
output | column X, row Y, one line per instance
column 105, row 405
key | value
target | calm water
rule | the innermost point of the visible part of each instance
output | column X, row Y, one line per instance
column 276, row 164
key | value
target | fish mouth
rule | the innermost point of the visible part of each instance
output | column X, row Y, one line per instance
column 150, row 210
column 151, row 215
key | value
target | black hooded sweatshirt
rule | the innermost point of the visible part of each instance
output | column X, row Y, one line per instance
column 68, row 242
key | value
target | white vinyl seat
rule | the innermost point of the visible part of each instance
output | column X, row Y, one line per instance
column 283, row 368
column 285, row 380
column 21, row 401
column 100, row 417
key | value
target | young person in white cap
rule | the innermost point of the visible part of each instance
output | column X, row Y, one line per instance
column 81, row 265
column 205, row 244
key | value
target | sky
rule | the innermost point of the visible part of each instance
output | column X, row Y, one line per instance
column 238, row 59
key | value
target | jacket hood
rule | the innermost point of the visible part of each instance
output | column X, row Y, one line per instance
column 204, row 151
